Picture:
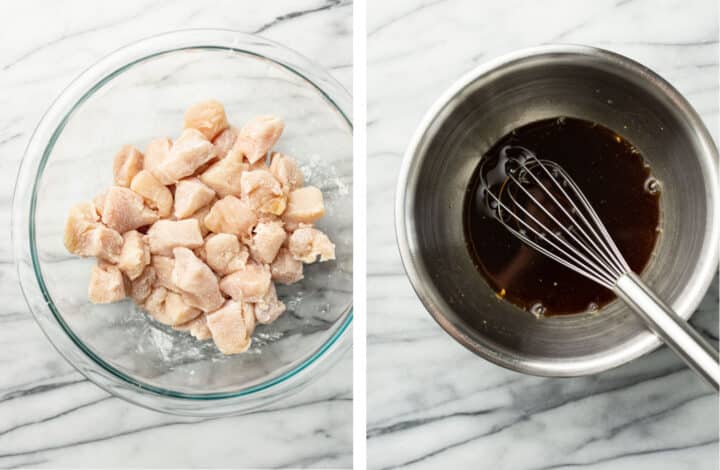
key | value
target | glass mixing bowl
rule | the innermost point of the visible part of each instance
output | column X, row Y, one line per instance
column 131, row 96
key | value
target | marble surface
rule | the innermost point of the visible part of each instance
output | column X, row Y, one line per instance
column 433, row 404
column 50, row 416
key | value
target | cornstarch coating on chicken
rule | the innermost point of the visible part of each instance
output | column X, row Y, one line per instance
column 196, row 231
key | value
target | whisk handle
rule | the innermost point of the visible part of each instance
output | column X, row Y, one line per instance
column 672, row 329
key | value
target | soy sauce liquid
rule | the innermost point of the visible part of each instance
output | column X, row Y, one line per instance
column 616, row 180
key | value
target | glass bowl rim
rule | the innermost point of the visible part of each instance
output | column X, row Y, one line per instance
column 40, row 146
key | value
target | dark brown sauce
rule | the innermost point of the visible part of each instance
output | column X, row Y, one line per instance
column 615, row 179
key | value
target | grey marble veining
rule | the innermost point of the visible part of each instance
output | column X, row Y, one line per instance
column 50, row 416
column 433, row 404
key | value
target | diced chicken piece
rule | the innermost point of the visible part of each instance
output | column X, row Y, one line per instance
column 249, row 284
column 304, row 205
column 231, row 328
column 177, row 311
column 231, row 215
column 224, row 253
column 141, row 286
column 128, row 163
column 196, row 327
column 156, row 152
column 85, row 212
column 224, row 176
column 196, row 280
column 269, row 308
column 190, row 195
column 267, row 239
column 307, row 243
column 286, row 171
column 225, row 140
column 258, row 136
column 124, row 210
column 135, row 254
column 207, row 117
column 187, row 154
column 155, row 304
column 263, row 192
column 286, row 269
column 156, row 195
column 163, row 267
column 165, row 235
column 85, row 236
column 104, row 243
column 106, row 284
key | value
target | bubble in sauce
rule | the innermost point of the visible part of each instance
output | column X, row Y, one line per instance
column 652, row 185
column 538, row 310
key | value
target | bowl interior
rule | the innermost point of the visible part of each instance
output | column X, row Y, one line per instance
column 517, row 93
column 145, row 100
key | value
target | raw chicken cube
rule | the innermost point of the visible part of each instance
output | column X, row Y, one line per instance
column 81, row 219
column 128, row 163
column 224, row 176
column 207, row 117
column 196, row 327
column 187, row 154
column 155, row 304
column 106, row 284
column 156, row 152
column 231, row 215
column 85, row 236
column 177, row 311
column 141, row 286
column 269, row 308
column 307, row 243
column 263, row 192
column 156, row 195
column 196, row 280
column 135, row 254
column 286, row 171
column 225, row 140
column 163, row 267
column 84, row 211
column 231, row 328
column 258, row 136
column 286, row 269
column 104, row 243
column 164, row 235
column 304, row 205
column 249, row 284
column 190, row 195
column 224, row 253
column 267, row 239
column 124, row 210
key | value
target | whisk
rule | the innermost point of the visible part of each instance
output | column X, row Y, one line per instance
column 538, row 202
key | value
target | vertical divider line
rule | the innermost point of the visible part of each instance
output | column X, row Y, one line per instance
column 360, row 234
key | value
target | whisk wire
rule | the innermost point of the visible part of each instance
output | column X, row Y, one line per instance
column 582, row 243
column 595, row 262
column 593, row 274
column 607, row 247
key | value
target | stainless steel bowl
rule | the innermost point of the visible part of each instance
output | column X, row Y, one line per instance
column 509, row 92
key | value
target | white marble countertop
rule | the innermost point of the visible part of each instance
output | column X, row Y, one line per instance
column 50, row 416
column 433, row 404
